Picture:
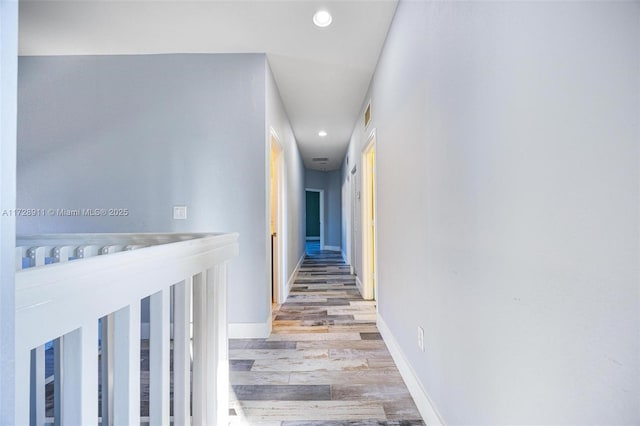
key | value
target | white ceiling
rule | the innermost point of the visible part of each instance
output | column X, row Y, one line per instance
column 322, row 73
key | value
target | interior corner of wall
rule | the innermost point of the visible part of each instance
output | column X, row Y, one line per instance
column 359, row 284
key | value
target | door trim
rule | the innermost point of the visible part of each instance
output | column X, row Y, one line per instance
column 369, row 230
column 352, row 219
column 279, row 290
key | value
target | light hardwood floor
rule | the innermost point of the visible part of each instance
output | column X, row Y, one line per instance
column 324, row 363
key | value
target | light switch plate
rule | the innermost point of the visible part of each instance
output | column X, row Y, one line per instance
column 180, row 212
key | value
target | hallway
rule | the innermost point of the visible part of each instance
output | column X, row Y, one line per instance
column 324, row 363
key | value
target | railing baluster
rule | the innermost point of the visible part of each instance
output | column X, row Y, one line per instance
column 199, row 300
column 87, row 251
column 159, row 358
column 63, row 253
column 38, row 397
column 110, row 249
column 22, row 394
column 106, row 363
column 181, row 353
column 80, row 383
column 58, row 375
column 126, row 365
column 199, row 349
column 21, row 253
column 38, row 255
column 217, row 346
column 60, row 255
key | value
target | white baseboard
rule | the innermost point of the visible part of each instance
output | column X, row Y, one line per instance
column 252, row 330
column 332, row 248
column 359, row 284
column 292, row 278
column 421, row 398
column 259, row 330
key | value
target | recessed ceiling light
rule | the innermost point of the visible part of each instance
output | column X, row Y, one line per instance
column 322, row 18
column 322, row 133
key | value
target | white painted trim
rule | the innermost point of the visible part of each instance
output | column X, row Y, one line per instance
column 426, row 407
column 169, row 259
column 332, row 248
column 359, row 283
column 106, row 284
column 351, row 233
column 369, row 229
column 251, row 330
column 292, row 278
column 281, row 245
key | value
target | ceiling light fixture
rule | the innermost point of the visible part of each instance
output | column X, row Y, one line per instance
column 322, row 133
column 322, row 18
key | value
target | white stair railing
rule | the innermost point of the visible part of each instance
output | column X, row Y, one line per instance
column 60, row 303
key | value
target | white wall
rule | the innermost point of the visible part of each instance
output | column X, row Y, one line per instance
column 146, row 133
column 330, row 182
column 508, row 207
column 294, row 195
column 8, row 111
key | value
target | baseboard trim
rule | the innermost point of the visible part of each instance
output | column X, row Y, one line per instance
column 292, row 278
column 359, row 284
column 423, row 402
column 252, row 330
column 332, row 248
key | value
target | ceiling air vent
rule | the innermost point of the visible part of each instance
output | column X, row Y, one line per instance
column 319, row 159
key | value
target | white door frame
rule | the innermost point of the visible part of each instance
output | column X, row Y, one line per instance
column 321, row 197
column 369, row 230
column 352, row 219
column 279, row 289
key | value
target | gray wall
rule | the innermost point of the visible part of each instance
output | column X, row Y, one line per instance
column 146, row 133
column 508, row 207
column 330, row 182
column 278, row 121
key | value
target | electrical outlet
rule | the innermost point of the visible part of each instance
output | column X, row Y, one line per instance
column 421, row 338
column 179, row 212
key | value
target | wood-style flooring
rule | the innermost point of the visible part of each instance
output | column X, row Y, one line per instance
column 325, row 362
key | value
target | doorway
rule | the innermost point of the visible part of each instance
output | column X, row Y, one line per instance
column 275, row 218
column 314, row 235
column 369, row 252
column 354, row 195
